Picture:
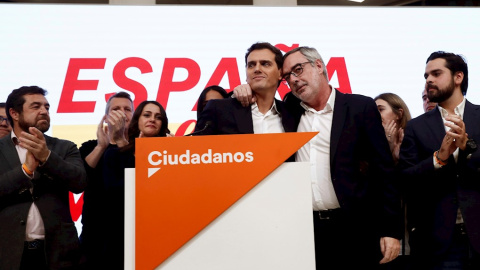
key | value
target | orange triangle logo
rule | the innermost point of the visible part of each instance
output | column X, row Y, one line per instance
column 184, row 183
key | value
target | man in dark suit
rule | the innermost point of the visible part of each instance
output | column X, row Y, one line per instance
column 36, row 174
column 266, row 114
column 442, row 171
column 357, row 218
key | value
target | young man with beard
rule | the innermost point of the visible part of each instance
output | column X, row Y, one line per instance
column 5, row 127
column 36, row 174
column 442, row 170
column 263, row 63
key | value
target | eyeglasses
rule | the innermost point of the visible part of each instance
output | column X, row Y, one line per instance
column 296, row 71
column 3, row 119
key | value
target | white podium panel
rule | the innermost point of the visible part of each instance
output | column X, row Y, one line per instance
column 271, row 227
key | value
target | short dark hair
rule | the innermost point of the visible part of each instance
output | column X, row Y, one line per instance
column 2, row 104
column 134, row 131
column 455, row 63
column 203, row 96
column 16, row 99
column 120, row 94
column 266, row 45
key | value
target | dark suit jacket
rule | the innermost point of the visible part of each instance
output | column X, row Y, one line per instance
column 361, row 166
column 228, row 116
column 433, row 196
column 61, row 173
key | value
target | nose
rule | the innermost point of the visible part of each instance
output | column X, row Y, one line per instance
column 44, row 110
column 429, row 79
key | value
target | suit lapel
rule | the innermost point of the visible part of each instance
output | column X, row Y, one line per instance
column 340, row 111
column 434, row 122
column 288, row 122
column 243, row 118
column 471, row 119
column 9, row 152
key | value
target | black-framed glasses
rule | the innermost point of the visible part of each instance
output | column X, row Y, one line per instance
column 297, row 70
column 3, row 119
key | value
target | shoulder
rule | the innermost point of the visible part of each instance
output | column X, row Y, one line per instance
column 355, row 99
column 57, row 143
column 220, row 106
column 225, row 102
column 356, row 103
column 421, row 119
column 88, row 146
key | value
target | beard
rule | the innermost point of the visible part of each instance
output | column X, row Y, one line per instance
column 441, row 95
column 43, row 126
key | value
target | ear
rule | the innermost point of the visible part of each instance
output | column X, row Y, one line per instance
column 400, row 112
column 280, row 74
column 458, row 77
column 14, row 114
column 320, row 66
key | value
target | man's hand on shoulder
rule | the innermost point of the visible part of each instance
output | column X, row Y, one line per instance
column 244, row 94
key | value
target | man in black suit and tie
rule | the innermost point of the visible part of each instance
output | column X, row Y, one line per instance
column 36, row 173
column 441, row 169
column 356, row 205
column 266, row 114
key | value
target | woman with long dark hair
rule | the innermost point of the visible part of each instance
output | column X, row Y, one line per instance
column 148, row 120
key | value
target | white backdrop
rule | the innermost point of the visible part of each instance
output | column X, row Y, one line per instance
column 384, row 48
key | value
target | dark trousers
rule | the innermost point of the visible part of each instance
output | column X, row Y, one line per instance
column 460, row 255
column 343, row 243
column 33, row 257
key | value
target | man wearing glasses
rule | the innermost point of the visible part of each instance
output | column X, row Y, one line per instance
column 5, row 127
column 263, row 63
column 356, row 206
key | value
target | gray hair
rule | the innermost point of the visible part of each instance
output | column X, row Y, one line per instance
column 311, row 54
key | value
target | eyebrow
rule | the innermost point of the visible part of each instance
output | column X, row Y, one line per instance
column 261, row 61
column 39, row 103
column 435, row 70
column 297, row 64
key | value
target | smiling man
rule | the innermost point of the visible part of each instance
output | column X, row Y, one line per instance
column 266, row 115
column 427, row 104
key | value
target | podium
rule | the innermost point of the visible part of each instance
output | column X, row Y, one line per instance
column 208, row 213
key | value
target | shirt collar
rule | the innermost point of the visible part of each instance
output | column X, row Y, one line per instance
column 273, row 110
column 328, row 107
column 14, row 138
column 459, row 110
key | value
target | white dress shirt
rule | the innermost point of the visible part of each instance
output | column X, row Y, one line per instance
column 270, row 122
column 459, row 110
column 317, row 153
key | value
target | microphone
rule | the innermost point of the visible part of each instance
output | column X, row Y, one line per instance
column 207, row 125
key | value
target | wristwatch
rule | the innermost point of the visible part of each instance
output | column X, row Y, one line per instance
column 470, row 147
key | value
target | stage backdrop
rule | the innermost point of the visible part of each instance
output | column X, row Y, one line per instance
column 83, row 53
